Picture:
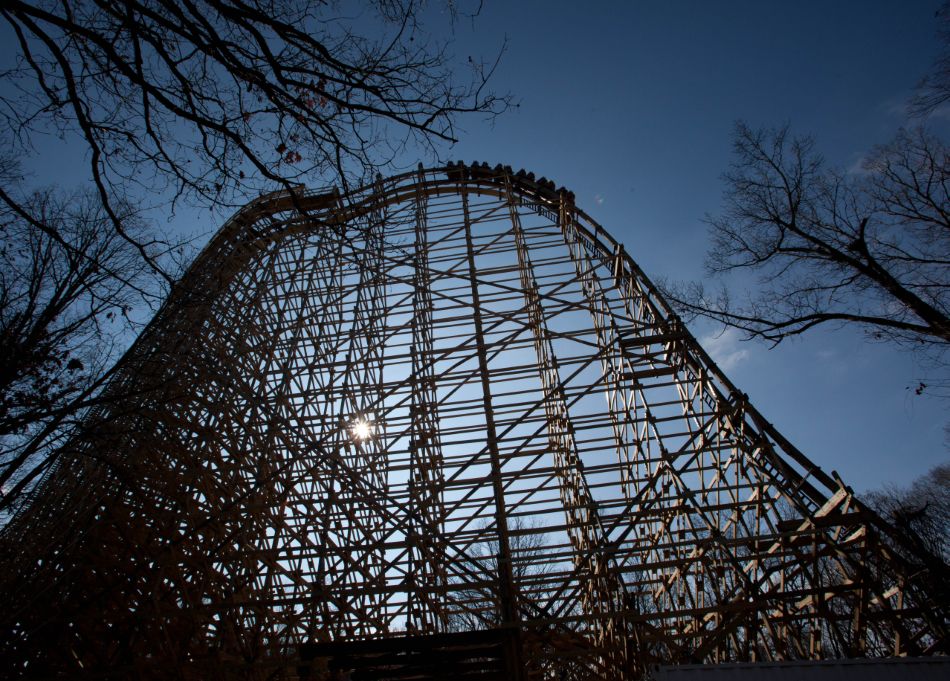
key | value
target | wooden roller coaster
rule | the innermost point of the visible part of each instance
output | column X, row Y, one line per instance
column 438, row 427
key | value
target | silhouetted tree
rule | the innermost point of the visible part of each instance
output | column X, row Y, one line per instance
column 480, row 609
column 934, row 90
column 538, row 567
column 64, row 304
column 868, row 249
column 219, row 100
column 921, row 511
column 872, row 250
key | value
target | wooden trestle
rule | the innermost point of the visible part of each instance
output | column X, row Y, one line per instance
column 440, row 422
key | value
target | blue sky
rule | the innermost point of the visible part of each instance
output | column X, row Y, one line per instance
column 632, row 105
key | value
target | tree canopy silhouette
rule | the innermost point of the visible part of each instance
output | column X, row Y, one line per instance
column 871, row 249
column 933, row 91
column 867, row 248
column 65, row 304
column 218, row 100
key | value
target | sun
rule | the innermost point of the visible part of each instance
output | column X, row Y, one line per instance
column 361, row 429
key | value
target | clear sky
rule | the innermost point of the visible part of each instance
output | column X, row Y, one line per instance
column 632, row 105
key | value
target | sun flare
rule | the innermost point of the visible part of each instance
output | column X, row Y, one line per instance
column 362, row 429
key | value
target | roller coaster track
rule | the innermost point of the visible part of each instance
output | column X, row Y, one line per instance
column 441, row 422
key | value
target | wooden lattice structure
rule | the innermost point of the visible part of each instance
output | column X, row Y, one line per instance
column 440, row 422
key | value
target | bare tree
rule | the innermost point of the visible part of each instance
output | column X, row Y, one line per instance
column 816, row 247
column 527, row 543
column 216, row 100
column 921, row 512
column 871, row 249
column 65, row 305
column 537, row 567
column 933, row 92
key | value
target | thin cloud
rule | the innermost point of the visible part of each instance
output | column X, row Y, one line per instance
column 858, row 167
column 724, row 348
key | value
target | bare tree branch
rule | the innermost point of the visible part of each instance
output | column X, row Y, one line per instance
column 871, row 250
column 68, row 283
column 220, row 100
column 933, row 91
column 921, row 511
